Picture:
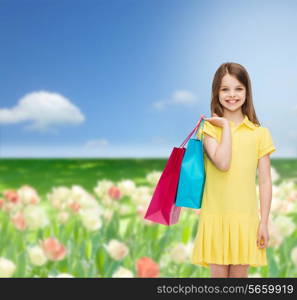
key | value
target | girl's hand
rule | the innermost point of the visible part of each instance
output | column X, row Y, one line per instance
column 217, row 121
column 263, row 236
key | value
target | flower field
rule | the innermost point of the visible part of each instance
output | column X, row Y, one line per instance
column 84, row 218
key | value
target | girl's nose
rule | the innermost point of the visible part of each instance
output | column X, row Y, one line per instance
column 232, row 93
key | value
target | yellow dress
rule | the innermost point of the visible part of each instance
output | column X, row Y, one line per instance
column 229, row 218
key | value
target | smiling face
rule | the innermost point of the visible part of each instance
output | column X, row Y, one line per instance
column 232, row 93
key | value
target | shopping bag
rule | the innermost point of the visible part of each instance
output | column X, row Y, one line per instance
column 192, row 175
column 162, row 208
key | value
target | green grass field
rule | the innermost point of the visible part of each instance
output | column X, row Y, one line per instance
column 45, row 173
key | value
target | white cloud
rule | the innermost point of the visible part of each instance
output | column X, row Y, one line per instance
column 160, row 105
column 100, row 143
column 44, row 111
column 183, row 97
column 178, row 97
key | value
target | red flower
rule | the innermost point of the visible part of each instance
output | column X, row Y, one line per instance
column 11, row 195
column 19, row 221
column 53, row 249
column 74, row 206
column 146, row 267
column 114, row 192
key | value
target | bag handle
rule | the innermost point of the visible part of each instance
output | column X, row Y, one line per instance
column 195, row 129
column 202, row 133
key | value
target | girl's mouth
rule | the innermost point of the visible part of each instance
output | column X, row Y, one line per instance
column 232, row 101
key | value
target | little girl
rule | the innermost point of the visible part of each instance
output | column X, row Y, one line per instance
column 233, row 231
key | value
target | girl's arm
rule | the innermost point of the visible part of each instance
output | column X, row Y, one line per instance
column 265, row 187
column 265, row 191
column 220, row 153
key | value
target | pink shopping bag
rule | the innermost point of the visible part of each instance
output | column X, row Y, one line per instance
column 162, row 208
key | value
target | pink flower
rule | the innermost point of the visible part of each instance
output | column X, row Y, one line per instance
column 19, row 221
column 114, row 192
column 141, row 210
column 2, row 201
column 75, row 206
column 34, row 200
column 292, row 196
column 53, row 249
column 28, row 195
column 146, row 267
column 11, row 195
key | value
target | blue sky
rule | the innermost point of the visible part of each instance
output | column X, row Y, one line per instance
column 131, row 78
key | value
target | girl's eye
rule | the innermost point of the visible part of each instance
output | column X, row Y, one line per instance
column 237, row 89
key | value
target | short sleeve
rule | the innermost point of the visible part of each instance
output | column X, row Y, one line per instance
column 266, row 145
column 207, row 128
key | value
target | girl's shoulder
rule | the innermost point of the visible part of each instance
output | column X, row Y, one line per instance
column 210, row 126
column 265, row 141
column 209, row 129
column 261, row 130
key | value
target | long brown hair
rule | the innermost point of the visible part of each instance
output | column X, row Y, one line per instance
column 239, row 72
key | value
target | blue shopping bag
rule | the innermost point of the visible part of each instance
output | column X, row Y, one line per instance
column 192, row 174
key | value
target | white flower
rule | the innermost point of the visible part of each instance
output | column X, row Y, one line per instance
column 107, row 214
column 7, row 267
column 59, row 197
column 37, row 256
column 276, row 191
column 77, row 192
column 35, row 217
column 63, row 217
column 275, row 237
column 61, row 275
column 89, row 202
column 124, row 209
column 102, row 187
column 142, row 195
column 107, row 200
column 292, row 196
column 274, row 174
column 286, row 187
column 90, row 219
column 126, row 187
column 165, row 260
column 64, row 275
column 28, row 195
column 122, row 273
column 153, row 177
column 294, row 256
column 179, row 253
column 116, row 249
column 281, row 206
column 284, row 224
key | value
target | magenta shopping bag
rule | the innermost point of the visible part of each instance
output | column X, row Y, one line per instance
column 162, row 208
